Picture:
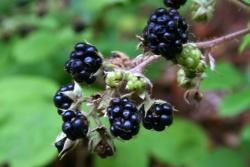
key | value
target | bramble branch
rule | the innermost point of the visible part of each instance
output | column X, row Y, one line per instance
column 147, row 60
column 212, row 43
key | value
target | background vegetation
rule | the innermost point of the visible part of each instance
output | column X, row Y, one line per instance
column 36, row 37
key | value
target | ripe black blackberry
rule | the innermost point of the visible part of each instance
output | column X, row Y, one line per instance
column 158, row 117
column 84, row 62
column 165, row 33
column 174, row 3
column 124, row 118
column 61, row 101
column 76, row 127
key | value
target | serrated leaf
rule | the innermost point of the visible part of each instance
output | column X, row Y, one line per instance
column 220, row 158
column 37, row 47
column 29, row 132
column 174, row 143
column 20, row 90
column 31, row 123
column 131, row 153
column 167, row 146
column 225, row 76
column 235, row 103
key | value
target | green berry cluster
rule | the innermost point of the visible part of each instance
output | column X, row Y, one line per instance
column 192, row 65
column 117, row 78
column 114, row 78
column 135, row 83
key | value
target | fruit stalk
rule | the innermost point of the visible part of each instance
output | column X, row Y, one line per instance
column 140, row 67
column 212, row 43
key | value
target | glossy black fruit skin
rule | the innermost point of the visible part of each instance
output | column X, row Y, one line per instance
column 76, row 128
column 68, row 115
column 174, row 3
column 61, row 101
column 124, row 118
column 83, row 63
column 158, row 117
column 165, row 33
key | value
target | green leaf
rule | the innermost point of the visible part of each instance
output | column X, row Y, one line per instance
column 27, row 137
column 225, row 76
column 220, row 158
column 247, row 1
column 235, row 103
column 245, row 133
column 90, row 10
column 167, row 146
column 245, row 43
column 28, row 121
column 129, row 153
column 176, row 146
column 37, row 47
column 25, row 89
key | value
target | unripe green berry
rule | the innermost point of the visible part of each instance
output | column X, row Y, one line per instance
column 190, row 57
column 131, row 77
column 134, row 83
column 114, row 78
column 201, row 67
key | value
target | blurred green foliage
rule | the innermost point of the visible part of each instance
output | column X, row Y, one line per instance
column 34, row 44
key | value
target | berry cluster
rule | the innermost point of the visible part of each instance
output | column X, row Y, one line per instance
column 84, row 62
column 158, row 116
column 192, row 65
column 60, row 100
column 75, row 124
column 165, row 33
column 124, row 118
column 174, row 3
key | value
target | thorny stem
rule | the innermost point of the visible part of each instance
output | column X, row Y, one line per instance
column 203, row 45
column 212, row 43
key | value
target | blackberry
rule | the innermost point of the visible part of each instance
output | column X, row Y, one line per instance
column 76, row 127
column 84, row 62
column 68, row 115
column 60, row 144
column 158, row 117
column 174, row 3
column 124, row 118
column 165, row 33
column 61, row 101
